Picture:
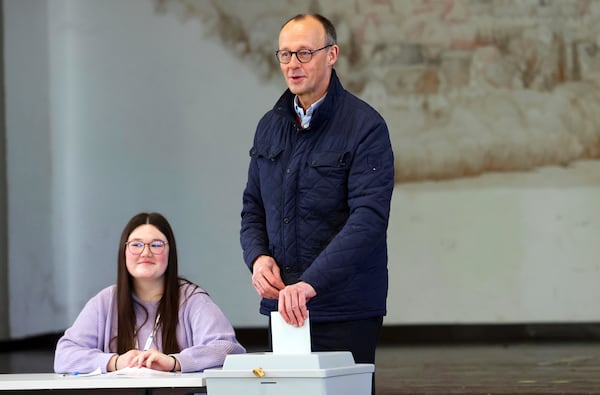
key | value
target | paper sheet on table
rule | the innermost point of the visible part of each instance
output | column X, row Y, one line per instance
column 140, row 372
column 288, row 339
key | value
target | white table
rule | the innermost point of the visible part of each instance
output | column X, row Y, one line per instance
column 52, row 381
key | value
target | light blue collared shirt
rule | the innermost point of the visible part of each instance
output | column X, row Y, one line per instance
column 305, row 117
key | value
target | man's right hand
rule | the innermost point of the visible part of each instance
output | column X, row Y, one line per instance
column 266, row 277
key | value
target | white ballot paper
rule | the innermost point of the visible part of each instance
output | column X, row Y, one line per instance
column 288, row 339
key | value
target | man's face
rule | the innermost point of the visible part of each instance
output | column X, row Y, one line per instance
column 308, row 80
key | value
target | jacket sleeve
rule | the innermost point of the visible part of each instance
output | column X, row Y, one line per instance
column 208, row 334
column 253, row 232
column 81, row 348
column 370, row 186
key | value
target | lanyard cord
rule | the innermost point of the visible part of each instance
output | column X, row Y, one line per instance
column 151, row 337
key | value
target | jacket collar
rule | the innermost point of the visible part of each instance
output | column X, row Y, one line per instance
column 285, row 104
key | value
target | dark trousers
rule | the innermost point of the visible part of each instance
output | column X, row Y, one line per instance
column 359, row 337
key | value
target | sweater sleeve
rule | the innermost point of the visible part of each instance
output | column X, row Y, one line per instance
column 206, row 335
column 82, row 348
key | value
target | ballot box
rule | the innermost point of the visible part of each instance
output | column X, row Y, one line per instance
column 317, row 373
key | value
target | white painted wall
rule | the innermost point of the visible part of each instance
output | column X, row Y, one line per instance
column 111, row 110
column 512, row 248
column 114, row 109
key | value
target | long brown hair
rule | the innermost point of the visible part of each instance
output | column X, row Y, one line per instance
column 168, row 306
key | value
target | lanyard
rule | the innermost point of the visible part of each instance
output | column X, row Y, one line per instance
column 151, row 337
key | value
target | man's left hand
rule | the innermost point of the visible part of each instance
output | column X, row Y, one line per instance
column 292, row 302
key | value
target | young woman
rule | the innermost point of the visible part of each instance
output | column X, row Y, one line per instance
column 152, row 317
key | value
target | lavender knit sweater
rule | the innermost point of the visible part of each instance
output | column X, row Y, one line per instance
column 204, row 333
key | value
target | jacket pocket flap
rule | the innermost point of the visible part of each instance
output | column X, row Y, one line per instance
column 327, row 159
column 265, row 151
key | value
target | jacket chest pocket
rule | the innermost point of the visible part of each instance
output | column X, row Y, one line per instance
column 328, row 169
column 268, row 158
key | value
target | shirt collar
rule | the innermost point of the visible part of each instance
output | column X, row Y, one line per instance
column 305, row 117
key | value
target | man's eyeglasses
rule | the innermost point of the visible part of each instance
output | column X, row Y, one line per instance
column 136, row 247
column 303, row 55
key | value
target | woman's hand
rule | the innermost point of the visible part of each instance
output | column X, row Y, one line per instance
column 123, row 360
column 154, row 359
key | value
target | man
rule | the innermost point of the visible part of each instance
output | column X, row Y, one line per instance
column 317, row 200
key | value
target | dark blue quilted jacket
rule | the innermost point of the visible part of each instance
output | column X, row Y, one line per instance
column 318, row 201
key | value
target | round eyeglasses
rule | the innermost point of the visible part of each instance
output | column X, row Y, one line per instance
column 136, row 247
column 303, row 55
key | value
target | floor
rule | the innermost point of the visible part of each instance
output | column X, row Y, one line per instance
column 560, row 368
column 545, row 368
